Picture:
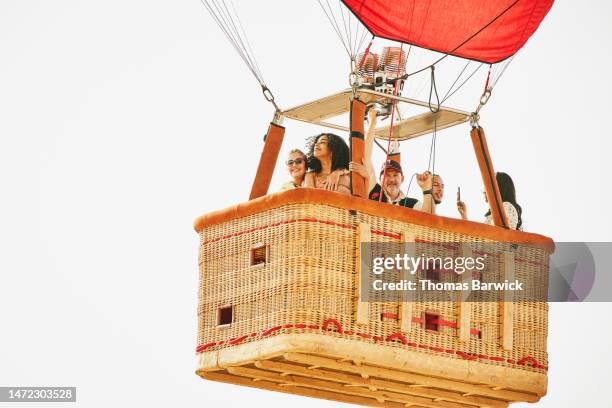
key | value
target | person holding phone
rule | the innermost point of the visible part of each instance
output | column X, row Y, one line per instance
column 508, row 196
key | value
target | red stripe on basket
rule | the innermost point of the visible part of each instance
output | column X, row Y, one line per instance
column 388, row 316
column 525, row 361
column 375, row 232
column 443, row 245
column 238, row 340
column 466, row 356
column 443, row 322
column 519, row 260
column 386, row 234
column 398, row 336
column 326, row 222
column 270, row 330
column 236, row 234
column 476, row 252
column 203, row 347
column 334, row 322
column 528, row 359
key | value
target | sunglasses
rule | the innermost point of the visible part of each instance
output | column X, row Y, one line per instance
column 297, row 162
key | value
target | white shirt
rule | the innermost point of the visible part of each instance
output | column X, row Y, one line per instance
column 399, row 198
column 511, row 213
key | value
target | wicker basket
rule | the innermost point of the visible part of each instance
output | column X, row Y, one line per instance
column 277, row 309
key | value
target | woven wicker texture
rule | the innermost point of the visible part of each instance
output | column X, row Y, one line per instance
column 307, row 285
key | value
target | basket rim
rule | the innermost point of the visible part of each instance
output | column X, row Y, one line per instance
column 370, row 207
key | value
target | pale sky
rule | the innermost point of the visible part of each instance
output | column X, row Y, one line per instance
column 115, row 121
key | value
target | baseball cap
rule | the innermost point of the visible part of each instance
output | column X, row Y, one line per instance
column 391, row 164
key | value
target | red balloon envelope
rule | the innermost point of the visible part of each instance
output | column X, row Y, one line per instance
column 482, row 30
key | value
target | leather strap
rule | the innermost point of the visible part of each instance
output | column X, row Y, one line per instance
column 430, row 191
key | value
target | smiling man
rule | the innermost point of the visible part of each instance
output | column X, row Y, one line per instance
column 392, row 176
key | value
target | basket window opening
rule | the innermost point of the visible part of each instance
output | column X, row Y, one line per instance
column 225, row 315
column 432, row 274
column 259, row 255
column 432, row 321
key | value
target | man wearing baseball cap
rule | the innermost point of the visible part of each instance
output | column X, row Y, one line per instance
column 392, row 177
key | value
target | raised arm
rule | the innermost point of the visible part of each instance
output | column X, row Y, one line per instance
column 366, row 169
column 369, row 144
column 425, row 181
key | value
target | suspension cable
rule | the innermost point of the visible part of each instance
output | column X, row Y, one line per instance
column 486, row 87
column 222, row 20
column 492, row 79
column 349, row 29
column 248, row 43
column 507, row 63
column 432, row 148
column 393, row 105
column 463, row 83
column 331, row 17
column 433, row 90
column 431, row 165
column 228, row 21
column 456, row 79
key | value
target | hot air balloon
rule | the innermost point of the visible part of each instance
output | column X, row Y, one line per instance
column 282, row 304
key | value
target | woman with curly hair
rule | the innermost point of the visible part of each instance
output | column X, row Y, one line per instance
column 328, row 160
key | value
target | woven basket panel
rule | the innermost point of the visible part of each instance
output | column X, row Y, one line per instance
column 309, row 277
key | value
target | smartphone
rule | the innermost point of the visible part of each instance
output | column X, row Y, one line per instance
column 458, row 193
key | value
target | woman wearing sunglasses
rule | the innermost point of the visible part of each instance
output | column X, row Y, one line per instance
column 296, row 167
